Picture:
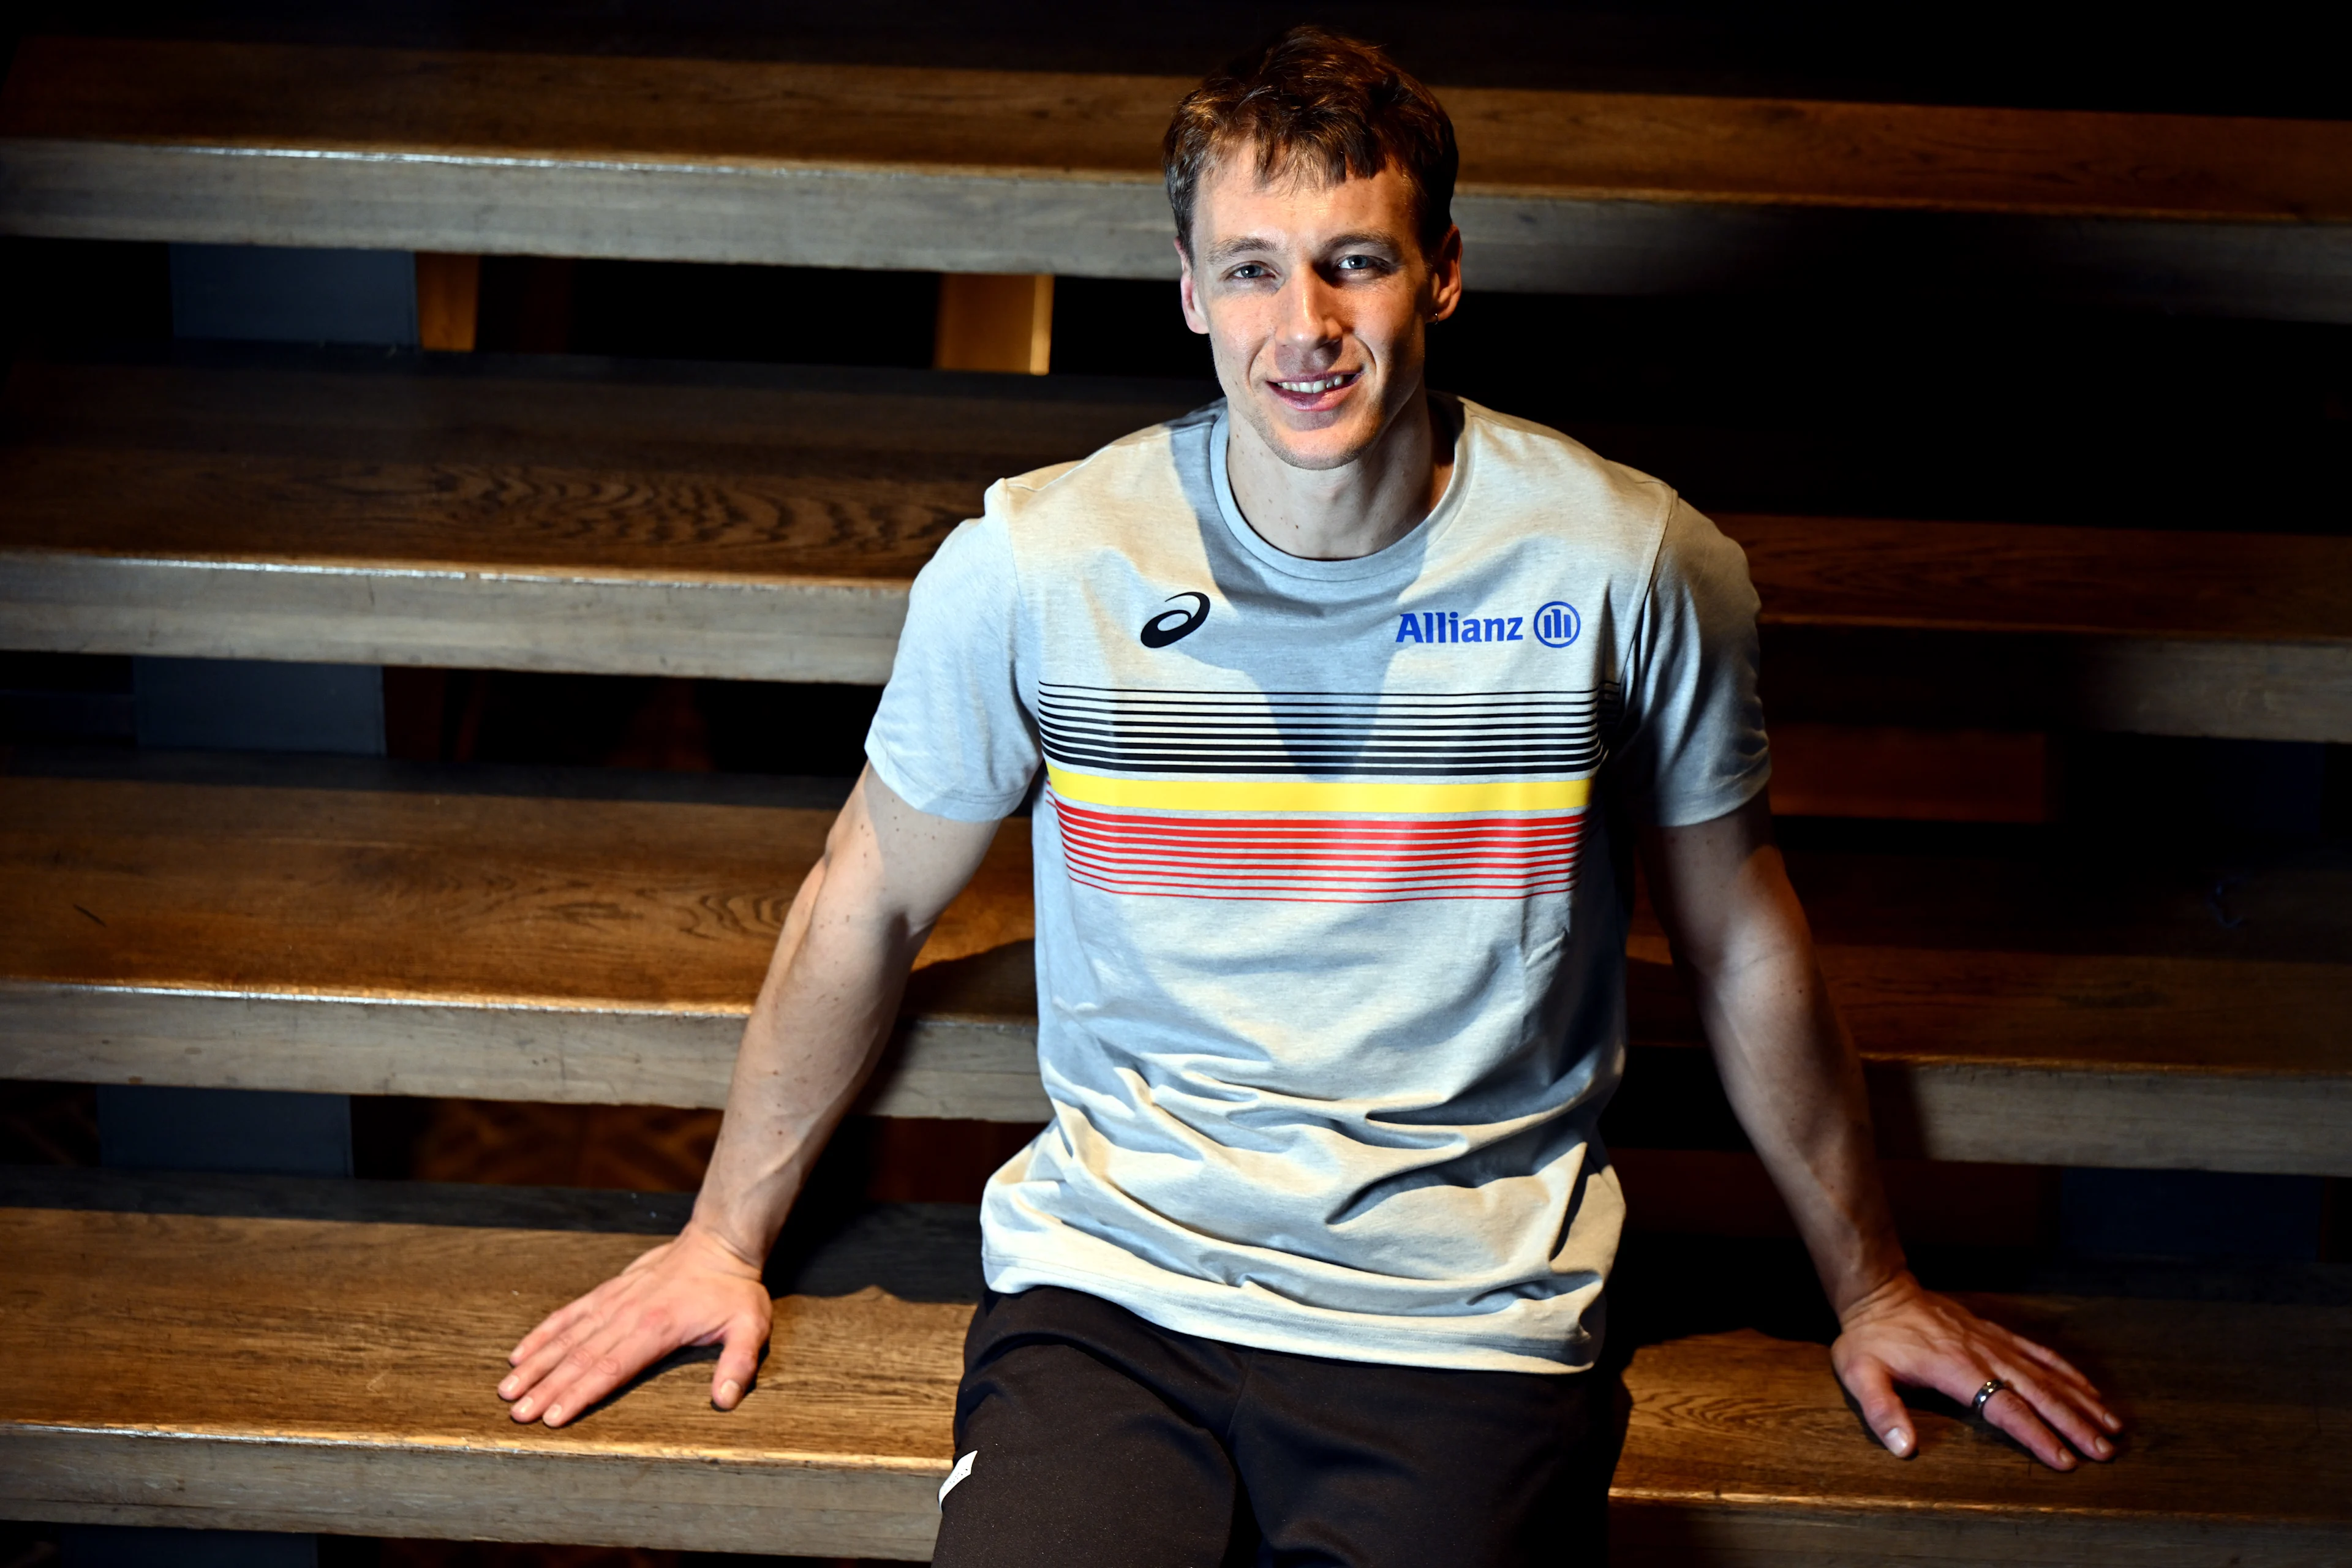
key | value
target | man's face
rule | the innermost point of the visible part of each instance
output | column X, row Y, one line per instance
column 1316, row 299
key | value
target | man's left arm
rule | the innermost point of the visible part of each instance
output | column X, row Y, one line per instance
column 1792, row 1076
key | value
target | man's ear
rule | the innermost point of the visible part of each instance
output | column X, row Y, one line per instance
column 1194, row 317
column 1446, row 276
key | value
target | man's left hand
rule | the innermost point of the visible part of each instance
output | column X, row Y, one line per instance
column 1904, row 1333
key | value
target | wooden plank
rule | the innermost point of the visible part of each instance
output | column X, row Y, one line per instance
column 1910, row 774
column 1724, row 1193
column 449, row 301
column 755, row 113
column 605, row 952
column 303, row 1374
column 1741, row 1451
column 970, row 171
column 1880, row 675
column 765, row 524
column 995, row 322
column 760, row 525
column 306, row 1374
column 2049, row 580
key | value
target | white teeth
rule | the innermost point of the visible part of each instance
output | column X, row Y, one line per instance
column 1309, row 388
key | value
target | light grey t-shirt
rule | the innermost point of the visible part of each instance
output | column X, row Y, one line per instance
column 1331, row 954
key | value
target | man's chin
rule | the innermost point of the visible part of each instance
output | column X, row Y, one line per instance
column 1332, row 446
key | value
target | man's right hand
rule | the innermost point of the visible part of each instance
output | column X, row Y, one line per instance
column 822, row 1017
column 696, row 1291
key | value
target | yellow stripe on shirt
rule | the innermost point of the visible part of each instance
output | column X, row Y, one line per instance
column 1336, row 796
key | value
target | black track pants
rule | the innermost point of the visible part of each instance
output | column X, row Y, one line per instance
column 1098, row 1440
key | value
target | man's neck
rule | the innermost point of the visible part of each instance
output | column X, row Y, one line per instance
column 1342, row 513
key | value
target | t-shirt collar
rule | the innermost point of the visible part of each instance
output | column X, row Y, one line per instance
column 1401, row 557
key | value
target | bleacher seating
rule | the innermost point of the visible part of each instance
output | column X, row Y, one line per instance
column 289, row 1356
column 412, row 941
column 351, row 1337
column 970, row 171
column 556, row 514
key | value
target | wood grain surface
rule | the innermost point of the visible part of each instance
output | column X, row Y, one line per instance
column 2237, row 1418
column 711, row 522
column 739, row 112
column 607, row 951
column 632, row 906
column 574, row 469
column 2010, row 578
column 976, row 172
column 311, row 1375
column 308, row 1373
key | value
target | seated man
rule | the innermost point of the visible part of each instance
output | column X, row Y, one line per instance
column 1348, row 697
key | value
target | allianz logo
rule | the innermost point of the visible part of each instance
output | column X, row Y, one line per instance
column 1554, row 624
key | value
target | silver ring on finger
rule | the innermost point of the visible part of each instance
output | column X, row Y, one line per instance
column 1992, row 1386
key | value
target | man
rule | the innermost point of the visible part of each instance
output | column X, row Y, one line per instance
column 1345, row 697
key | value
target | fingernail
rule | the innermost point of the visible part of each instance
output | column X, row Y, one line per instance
column 1898, row 1442
column 523, row 1410
column 2112, row 1422
column 2066, row 1462
column 2102, row 1447
column 555, row 1416
column 507, row 1389
column 728, row 1393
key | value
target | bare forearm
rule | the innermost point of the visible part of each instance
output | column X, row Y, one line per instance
column 820, row 1023
column 1793, row 1077
column 825, row 1010
column 1794, row 1081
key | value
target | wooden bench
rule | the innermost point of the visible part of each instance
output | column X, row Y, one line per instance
column 274, row 1355
column 764, row 523
column 569, row 515
column 840, row 165
column 389, row 941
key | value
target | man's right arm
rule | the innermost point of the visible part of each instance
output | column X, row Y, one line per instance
column 824, row 1015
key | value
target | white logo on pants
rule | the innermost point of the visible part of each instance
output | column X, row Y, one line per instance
column 956, row 1476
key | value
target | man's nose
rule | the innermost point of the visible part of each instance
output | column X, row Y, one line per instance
column 1310, row 326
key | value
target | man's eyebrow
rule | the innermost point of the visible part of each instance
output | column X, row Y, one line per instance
column 1231, row 250
column 1226, row 250
column 1365, row 239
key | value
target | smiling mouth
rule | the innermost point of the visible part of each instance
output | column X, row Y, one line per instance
column 1318, row 385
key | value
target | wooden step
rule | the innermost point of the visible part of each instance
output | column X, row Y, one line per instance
column 527, row 514
column 1742, row 1451
column 764, row 523
column 480, row 946
column 998, row 171
column 322, row 1372
column 323, row 1357
column 2027, row 1009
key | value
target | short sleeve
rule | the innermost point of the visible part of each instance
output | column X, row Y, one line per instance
column 1691, row 743
column 951, row 736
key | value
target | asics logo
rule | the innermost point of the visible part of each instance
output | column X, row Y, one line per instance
column 1173, row 626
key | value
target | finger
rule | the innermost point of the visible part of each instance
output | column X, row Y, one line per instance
column 535, row 1384
column 739, row 1358
column 2054, row 1404
column 1873, row 1388
column 550, row 1326
column 591, row 1370
column 574, row 1318
column 607, row 1362
column 2086, row 1391
column 2009, row 1411
column 543, row 1363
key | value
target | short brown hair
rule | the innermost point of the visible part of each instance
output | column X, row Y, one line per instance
column 1315, row 102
